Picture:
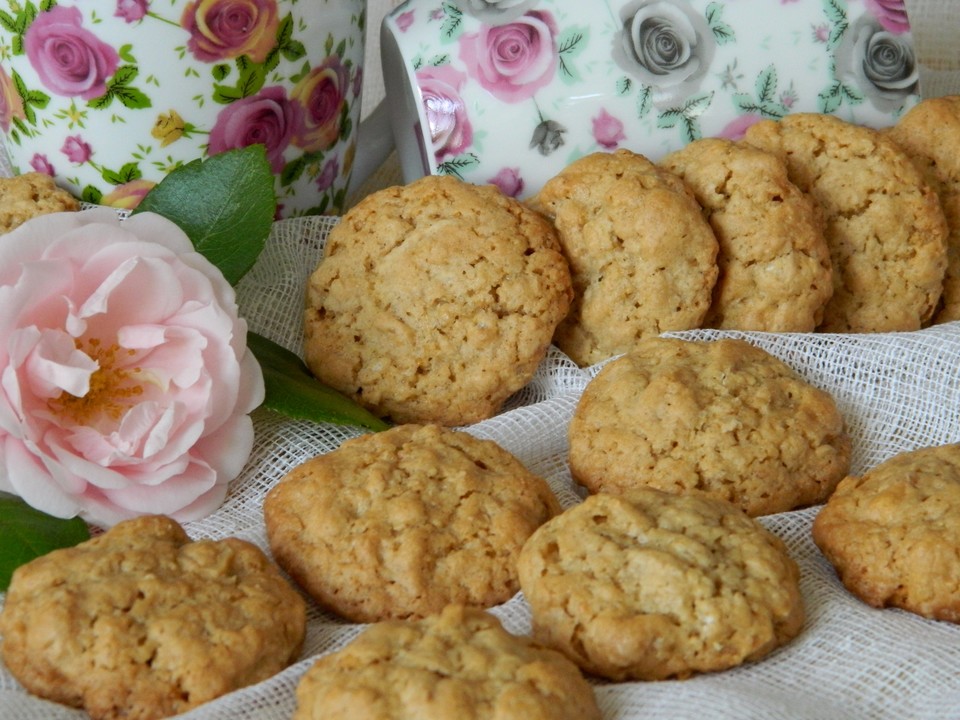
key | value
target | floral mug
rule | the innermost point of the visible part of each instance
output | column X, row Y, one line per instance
column 510, row 91
column 108, row 96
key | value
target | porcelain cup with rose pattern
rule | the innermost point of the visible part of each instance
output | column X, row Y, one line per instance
column 108, row 96
column 511, row 91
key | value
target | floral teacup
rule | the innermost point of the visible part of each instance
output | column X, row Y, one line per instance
column 108, row 96
column 510, row 91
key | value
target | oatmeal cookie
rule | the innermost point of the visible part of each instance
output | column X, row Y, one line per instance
column 642, row 257
column 400, row 523
column 930, row 134
column 775, row 271
column 651, row 585
column 893, row 534
column 141, row 623
column 459, row 663
column 435, row 301
column 883, row 223
column 722, row 418
column 26, row 196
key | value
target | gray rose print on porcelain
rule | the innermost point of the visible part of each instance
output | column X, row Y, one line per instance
column 509, row 92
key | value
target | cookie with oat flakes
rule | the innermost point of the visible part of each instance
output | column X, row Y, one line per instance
column 26, row 196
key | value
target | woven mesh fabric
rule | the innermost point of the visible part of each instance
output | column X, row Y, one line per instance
column 896, row 391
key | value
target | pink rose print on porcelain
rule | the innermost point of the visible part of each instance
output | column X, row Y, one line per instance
column 267, row 118
column 891, row 14
column 514, row 60
column 223, row 29
column 450, row 129
column 132, row 10
column 607, row 130
column 319, row 101
column 11, row 104
column 69, row 59
column 76, row 150
column 509, row 181
column 41, row 164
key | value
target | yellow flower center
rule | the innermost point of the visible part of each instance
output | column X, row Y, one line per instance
column 112, row 388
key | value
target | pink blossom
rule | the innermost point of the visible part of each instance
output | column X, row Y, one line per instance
column 821, row 33
column 70, row 60
column 318, row 100
column 11, row 104
column 132, row 10
column 41, row 164
column 509, row 181
column 736, row 128
column 607, row 130
column 450, row 130
column 125, row 381
column 514, row 60
column 267, row 118
column 331, row 168
column 76, row 150
column 405, row 20
column 891, row 14
column 222, row 29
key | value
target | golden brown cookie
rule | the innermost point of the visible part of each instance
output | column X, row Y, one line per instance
column 141, row 623
column 930, row 134
column 893, row 534
column 882, row 222
column 775, row 272
column 400, row 523
column 723, row 418
column 643, row 259
column 435, row 301
column 459, row 663
column 653, row 585
column 29, row 195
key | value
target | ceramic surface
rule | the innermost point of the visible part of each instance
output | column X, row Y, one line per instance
column 109, row 95
column 511, row 91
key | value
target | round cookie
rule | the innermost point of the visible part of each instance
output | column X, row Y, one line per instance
column 893, row 534
column 26, row 196
column 642, row 257
column 930, row 134
column 141, row 623
column 722, row 418
column 460, row 663
column 398, row 524
column 435, row 301
column 882, row 222
column 653, row 585
column 775, row 271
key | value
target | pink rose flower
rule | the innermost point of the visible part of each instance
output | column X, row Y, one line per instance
column 318, row 100
column 514, row 60
column 221, row 29
column 11, row 104
column 891, row 14
column 132, row 10
column 450, row 130
column 125, row 380
column 509, row 181
column 128, row 195
column 70, row 60
column 607, row 130
column 737, row 128
column 76, row 150
column 331, row 168
column 41, row 164
column 267, row 118
column 405, row 20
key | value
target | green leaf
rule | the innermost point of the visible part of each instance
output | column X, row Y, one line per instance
column 26, row 534
column 293, row 391
column 131, row 97
column 225, row 205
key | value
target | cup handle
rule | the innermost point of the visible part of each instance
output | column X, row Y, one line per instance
column 374, row 144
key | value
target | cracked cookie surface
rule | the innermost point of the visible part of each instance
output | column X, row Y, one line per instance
column 652, row 585
column 893, row 534
column 400, row 523
column 775, row 271
column 882, row 222
column 642, row 257
column 722, row 418
column 459, row 663
column 26, row 196
column 435, row 301
column 930, row 134
column 141, row 623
